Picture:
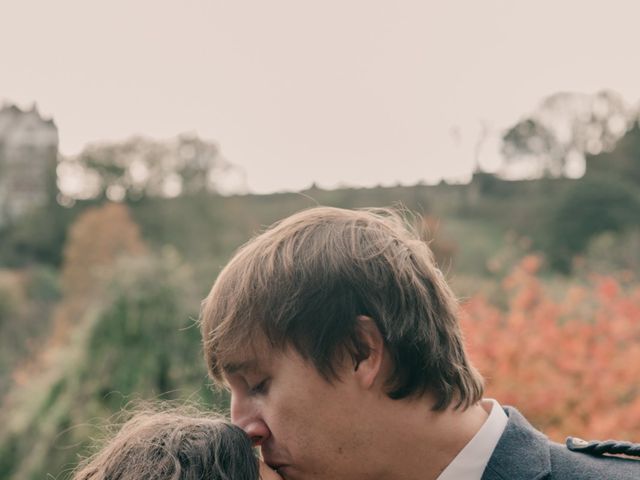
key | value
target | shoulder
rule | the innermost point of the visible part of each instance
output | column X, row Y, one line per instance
column 595, row 460
column 524, row 452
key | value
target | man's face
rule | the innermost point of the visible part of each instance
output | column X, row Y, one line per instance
column 306, row 427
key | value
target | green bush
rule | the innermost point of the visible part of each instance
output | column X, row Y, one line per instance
column 613, row 252
column 43, row 284
column 592, row 206
column 139, row 342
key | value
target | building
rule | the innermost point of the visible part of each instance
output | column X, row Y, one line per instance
column 28, row 156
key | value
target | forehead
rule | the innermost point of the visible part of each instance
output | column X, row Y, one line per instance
column 256, row 357
column 241, row 366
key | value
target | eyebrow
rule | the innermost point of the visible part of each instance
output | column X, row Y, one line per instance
column 234, row 367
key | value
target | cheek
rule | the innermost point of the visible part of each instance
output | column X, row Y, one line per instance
column 299, row 426
column 321, row 426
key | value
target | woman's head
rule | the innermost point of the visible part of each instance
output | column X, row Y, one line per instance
column 174, row 445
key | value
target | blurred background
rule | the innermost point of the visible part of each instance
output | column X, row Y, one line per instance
column 142, row 142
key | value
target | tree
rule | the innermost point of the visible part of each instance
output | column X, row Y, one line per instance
column 623, row 161
column 592, row 206
column 140, row 167
column 531, row 139
column 554, row 139
column 97, row 238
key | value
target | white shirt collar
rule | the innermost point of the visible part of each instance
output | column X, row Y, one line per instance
column 470, row 463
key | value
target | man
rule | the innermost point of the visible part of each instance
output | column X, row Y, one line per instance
column 339, row 341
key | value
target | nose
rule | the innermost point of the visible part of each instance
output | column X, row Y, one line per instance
column 247, row 416
column 258, row 432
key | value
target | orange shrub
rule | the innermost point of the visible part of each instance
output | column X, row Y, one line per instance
column 572, row 365
column 97, row 238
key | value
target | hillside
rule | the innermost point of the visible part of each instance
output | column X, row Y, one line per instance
column 124, row 295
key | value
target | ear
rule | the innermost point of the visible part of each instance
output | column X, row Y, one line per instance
column 367, row 369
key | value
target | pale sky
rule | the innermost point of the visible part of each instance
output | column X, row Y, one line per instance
column 355, row 92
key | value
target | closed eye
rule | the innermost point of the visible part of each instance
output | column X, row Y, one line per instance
column 259, row 388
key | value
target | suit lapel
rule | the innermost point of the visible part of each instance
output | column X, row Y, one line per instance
column 522, row 452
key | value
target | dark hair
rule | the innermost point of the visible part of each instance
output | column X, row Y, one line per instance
column 173, row 445
column 305, row 280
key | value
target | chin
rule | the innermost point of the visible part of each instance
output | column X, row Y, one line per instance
column 286, row 473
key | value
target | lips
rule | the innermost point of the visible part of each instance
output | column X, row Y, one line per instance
column 272, row 458
column 273, row 464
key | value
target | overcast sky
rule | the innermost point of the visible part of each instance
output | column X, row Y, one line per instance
column 357, row 92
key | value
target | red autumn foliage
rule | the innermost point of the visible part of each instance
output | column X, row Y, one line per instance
column 571, row 365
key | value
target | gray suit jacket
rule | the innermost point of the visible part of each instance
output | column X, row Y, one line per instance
column 523, row 453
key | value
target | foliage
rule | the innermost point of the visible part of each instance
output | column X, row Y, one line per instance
column 622, row 161
column 97, row 238
column 27, row 298
column 125, row 323
column 140, row 341
column 530, row 137
column 141, row 167
column 37, row 237
column 592, row 206
column 565, row 127
column 568, row 363
column 8, row 301
column 44, row 284
column 123, row 329
column 444, row 248
column 610, row 252
column 151, row 319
